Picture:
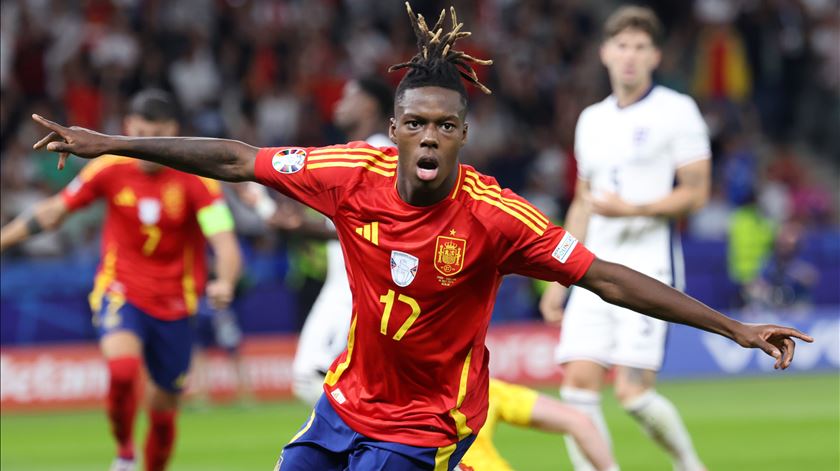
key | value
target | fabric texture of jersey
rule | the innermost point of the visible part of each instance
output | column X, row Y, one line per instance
column 509, row 403
column 424, row 280
column 324, row 334
column 153, row 251
column 634, row 152
column 167, row 344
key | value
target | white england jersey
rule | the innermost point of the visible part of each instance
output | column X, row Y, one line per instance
column 634, row 152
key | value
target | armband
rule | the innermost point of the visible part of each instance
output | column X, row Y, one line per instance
column 215, row 218
column 33, row 226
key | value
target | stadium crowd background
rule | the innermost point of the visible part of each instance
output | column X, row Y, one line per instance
column 766, row 75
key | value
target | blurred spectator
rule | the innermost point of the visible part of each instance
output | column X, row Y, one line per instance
column 765, row 73
column 785, row 279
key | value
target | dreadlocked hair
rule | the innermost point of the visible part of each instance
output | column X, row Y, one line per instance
column 436, row 63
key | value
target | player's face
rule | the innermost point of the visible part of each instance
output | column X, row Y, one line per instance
column 137, row 126
column 354, row 106
column 429, row 130
column 630, row 57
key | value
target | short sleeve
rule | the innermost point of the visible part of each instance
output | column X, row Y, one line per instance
column 85, row 187
column 534, row 247
column 691, row 136
column 204, row 192
column 581, row 129
column 208, row 203
column 318, row 176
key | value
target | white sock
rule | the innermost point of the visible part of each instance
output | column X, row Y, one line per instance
column 588, row 402
column 661, row 421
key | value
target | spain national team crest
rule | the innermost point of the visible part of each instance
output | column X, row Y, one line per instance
column 148, row 210
column 449, row 255
column 403, row 268
column 289, row 160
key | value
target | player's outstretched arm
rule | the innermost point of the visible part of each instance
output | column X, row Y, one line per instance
column 221, row 159
column 628, row 288
column 46, row 215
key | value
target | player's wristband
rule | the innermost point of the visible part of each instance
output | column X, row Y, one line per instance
column 33, row 226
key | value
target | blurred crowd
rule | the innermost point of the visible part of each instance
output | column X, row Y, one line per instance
column 766, row 74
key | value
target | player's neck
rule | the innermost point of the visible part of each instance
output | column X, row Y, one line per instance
column 626, row 96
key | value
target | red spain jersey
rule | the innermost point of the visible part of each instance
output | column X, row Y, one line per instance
column 424, row 280
column 153, row 251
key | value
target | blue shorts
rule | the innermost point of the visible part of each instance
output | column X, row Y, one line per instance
column 326, row 443
column 167, row 345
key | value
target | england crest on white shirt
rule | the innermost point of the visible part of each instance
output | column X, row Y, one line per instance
column 403, row 268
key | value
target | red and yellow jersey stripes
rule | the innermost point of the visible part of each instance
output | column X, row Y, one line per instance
column 423, row 280
column 152, row 245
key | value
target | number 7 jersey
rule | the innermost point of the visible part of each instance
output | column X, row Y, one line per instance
column 424, row 280
column 153, row 250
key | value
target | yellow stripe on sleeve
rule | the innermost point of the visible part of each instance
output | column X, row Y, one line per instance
column 366, row 165
column 497, row 191
column 540, row 230
column 354, row 151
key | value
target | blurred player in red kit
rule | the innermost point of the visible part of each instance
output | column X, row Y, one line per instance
column 151, row 275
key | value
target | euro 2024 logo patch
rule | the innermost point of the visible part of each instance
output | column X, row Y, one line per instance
column 289, row 160
column 403, row 268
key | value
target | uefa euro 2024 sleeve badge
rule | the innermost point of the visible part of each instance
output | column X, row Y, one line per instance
column 289, row 160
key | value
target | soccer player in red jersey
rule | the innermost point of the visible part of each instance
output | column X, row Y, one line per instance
column 426, row 242
column 152, row 272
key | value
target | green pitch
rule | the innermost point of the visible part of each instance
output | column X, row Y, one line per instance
column 780, row 422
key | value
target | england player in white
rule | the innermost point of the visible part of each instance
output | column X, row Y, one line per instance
column 362, row 114
column 630, row 149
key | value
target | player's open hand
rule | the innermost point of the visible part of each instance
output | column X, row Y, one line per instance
column 73, row 140
column 776, row 341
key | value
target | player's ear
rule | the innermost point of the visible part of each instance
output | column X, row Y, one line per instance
column 657, row 57
column 464, row 133
column 392, row 130
column 602, row 52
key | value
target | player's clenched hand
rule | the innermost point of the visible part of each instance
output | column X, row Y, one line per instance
column 776, row 341
column 220, row 293
column 73, row 140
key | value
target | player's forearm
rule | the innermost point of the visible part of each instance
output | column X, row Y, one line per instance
column 628, row 288
column 228, row 264
column 221, row 159
column 577, row 218
column 46, row 215
column 13, row 233
column 681, row 201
